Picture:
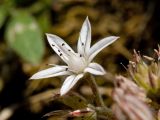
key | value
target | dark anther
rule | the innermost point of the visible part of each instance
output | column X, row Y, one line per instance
column 53, row 45
column 66, row 69
column 82, row 44
column 61, row 54
column 80, row 55
column 59, row 51
column 69, row 50
column 63, row 44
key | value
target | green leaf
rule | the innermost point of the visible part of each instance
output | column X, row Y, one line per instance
column 74, row 101
column 25, row 37
column 3, row 15
column 44, row 20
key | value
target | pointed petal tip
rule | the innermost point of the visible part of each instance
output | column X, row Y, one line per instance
column 115, row 37
column 87, row 20
column 48, row 34
column 50, row 37
column 104, row 72
column 63, row 92
column 33, row 77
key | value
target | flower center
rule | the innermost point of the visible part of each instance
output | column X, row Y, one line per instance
column 77, row 63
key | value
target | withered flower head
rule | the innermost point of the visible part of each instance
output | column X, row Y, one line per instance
column 158, row 52
column 158, row 115
column 146, row 74
column 129, row 106
column 130, row 87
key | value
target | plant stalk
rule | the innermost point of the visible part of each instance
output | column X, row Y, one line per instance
column 94, row 87
column 101, row 109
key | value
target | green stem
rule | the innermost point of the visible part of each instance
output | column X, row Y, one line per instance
column 94, row 87
column 105, row 112
column 101, row 109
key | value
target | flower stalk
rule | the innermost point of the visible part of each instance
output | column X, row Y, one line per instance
column 98, row 98
column 101, row 108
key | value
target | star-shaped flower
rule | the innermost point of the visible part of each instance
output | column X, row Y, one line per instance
column 77, row 63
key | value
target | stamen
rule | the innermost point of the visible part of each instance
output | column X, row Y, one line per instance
column 80, row 55
column 53, row 45
column 69, row 50
column 66, row 69
column 124, row 66
column 63, row 44
column 60, row 54
column 82, row 44
column 59, row 51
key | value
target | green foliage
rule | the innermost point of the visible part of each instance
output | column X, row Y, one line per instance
column 74, row 101
column 25, row 37
column 44, row 20
column 3, row 14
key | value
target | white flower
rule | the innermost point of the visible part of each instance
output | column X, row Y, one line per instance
column 77, row 63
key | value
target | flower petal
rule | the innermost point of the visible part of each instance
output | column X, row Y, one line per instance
column 95, row 68
column 60, row 47
column 69, row 83
column 52, row 72
column 96, row 48
column 84, row 38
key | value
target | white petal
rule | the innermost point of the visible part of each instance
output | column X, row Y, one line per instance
column 95, row 69
column 84, row 38
column 51, row 72
column 96, row 48
column 69, row 83
column 60, row 47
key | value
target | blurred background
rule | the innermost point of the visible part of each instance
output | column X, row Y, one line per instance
column 24, row 49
